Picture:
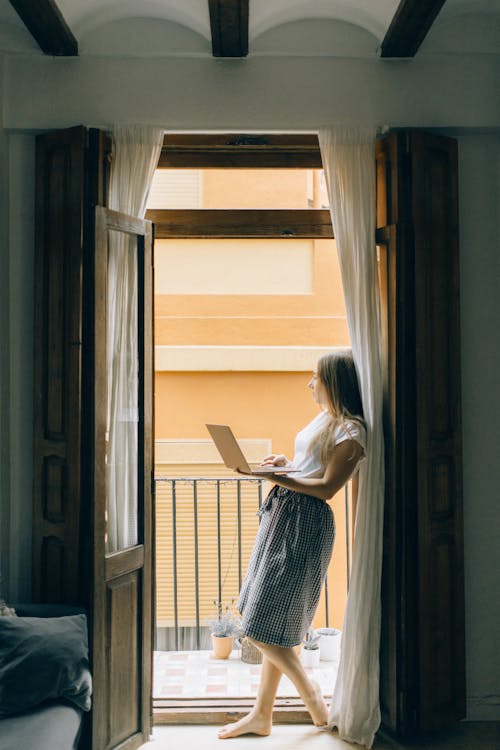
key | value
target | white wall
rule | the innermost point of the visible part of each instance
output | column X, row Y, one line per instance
column 257, row 93
column 281, row 95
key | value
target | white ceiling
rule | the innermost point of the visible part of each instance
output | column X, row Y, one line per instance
column 101, row 20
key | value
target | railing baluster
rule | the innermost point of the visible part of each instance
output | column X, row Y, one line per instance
column 239, row 532
column 196, row 562
column 347, row 536
column 174, row 554
column 219, row 549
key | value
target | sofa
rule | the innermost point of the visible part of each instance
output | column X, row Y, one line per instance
column 45, row 681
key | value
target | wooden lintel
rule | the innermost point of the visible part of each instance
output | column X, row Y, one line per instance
column 47, row 26
column 229, row 27
column 236, row 150
column 409, row 27
column 225, row 224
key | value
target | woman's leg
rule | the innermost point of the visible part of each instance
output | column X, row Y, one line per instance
column 278, row 660
column 287, row 660
column 259, row 720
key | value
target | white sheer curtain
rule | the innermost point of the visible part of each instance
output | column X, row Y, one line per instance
column 136, row 150
column 349, row 164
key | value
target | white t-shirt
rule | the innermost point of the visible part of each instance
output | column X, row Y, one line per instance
column 308, row 462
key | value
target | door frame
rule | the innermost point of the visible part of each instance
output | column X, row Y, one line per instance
column 61, row 506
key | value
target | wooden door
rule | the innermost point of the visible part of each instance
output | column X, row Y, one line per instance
column 70, row 179
column 398, row 644
column 122, row 555
column 440, row 596
column 60, row 197
column 422, row 655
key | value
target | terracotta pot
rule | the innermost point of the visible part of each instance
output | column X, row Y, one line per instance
column 223, row 645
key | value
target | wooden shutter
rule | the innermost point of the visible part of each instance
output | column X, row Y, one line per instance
column 398, row 575
column 438, row 430
column 422, row 658
column 60, row 196
column 71, row 169
column 71, row 178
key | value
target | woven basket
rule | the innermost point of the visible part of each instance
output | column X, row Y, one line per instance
column 249, row 653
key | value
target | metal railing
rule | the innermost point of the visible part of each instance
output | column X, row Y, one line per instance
column 201, row 499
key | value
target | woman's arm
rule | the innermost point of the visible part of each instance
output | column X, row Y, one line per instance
column 341, row 465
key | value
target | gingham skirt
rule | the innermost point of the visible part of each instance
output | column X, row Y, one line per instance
column 287, row 568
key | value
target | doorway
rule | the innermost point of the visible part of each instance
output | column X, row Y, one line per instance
column 248, row 295
column 417, row 220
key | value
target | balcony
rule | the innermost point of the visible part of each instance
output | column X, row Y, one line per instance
column 205, row 529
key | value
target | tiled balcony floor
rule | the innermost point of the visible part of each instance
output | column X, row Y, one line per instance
column 196, row 674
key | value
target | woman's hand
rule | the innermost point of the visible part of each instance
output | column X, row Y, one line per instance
column 343, row 462
column 275, row 459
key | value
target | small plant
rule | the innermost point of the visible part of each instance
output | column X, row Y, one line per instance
column 227, row 622
column 311, row 641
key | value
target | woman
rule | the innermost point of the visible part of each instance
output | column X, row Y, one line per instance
column 294, row 544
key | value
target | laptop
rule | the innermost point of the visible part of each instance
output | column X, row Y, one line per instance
column 232, row 455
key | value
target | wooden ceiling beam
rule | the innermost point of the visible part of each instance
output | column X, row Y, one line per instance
column 409, row 27
column 47, row 26
column 229, row 26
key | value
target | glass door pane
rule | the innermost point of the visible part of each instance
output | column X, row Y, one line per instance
column 122, row 339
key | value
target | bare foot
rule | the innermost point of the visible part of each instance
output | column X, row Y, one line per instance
column 317, row 707
column 252, row 723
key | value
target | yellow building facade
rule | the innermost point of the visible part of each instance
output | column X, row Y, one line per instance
column 239, row 326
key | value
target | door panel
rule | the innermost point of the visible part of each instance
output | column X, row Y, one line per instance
column 438, row 417
column 122, row 509
column 123, row 654
column 71, row 178
column 399, row 642
column 60, row 197
column 422, row 655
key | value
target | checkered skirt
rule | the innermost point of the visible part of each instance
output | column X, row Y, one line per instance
column 287, row 568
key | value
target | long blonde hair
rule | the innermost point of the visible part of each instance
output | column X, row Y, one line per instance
column 337, row 372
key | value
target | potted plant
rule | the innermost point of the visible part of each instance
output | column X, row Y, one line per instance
column 329, row 644
column 224, row 629
column 310, row 651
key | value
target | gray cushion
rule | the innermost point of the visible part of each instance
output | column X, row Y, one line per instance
column 53, row 726
column 43, row 659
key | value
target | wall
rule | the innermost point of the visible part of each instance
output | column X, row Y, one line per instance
column 257, row 93
column 16, row 429
column 4, row 348
column 278, row 94
column 479, row 176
